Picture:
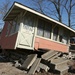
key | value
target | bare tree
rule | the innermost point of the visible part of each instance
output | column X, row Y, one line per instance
column 57, row 5
column 4, row 7
column 69, row 7
column 56, row 9
column 39, row 5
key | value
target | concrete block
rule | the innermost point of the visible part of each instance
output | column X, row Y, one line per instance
column 29, row 61
column 34, row 66
column 38, row 69
column 59, row 61
column 17, row 64
column 43, row 66
column 55, row 56
column 49, row 54
column 63, row 69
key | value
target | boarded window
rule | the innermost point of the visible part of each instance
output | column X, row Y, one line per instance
column 44, row 29
column 55, row 33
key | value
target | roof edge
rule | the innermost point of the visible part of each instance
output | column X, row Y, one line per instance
column 7, row 13
column 37, row 13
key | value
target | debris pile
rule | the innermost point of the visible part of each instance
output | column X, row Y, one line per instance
column 51, row 60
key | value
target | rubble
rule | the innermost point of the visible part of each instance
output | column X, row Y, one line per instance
column 43, row 66
column 60, row 65
column 29, row 61
column 34, row 66
column 51, row 60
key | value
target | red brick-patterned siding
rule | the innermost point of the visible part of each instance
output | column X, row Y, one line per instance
column 50, row 45
column 7, row 42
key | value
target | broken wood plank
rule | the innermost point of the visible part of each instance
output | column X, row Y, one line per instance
column 29, row 61
column 34, row 66
column 49, row 54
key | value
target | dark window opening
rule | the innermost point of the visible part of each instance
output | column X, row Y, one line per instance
column 55, row 33
column 44, row 29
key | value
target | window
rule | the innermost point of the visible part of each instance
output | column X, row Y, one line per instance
column 63, row 36
column 47, row 30
column 15, row 26
column 28, row 22
column 40, row 30
column 44, row 29
column 8, row 29
column 55, row 33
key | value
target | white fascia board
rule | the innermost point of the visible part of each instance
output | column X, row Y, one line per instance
column 8, row 12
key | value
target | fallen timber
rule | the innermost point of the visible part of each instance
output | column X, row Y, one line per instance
column 50, row 60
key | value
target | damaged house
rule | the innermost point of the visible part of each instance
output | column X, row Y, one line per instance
column 26, row 28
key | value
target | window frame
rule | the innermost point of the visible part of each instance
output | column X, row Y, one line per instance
column 29, row 19
column 64, row 36
column 8, row 29
column 44, row 28
column 14, row 26
column 55, row 33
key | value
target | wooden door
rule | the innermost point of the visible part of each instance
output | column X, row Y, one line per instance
column 27, row 32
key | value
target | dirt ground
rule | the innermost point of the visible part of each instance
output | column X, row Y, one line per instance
column 7, row 68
